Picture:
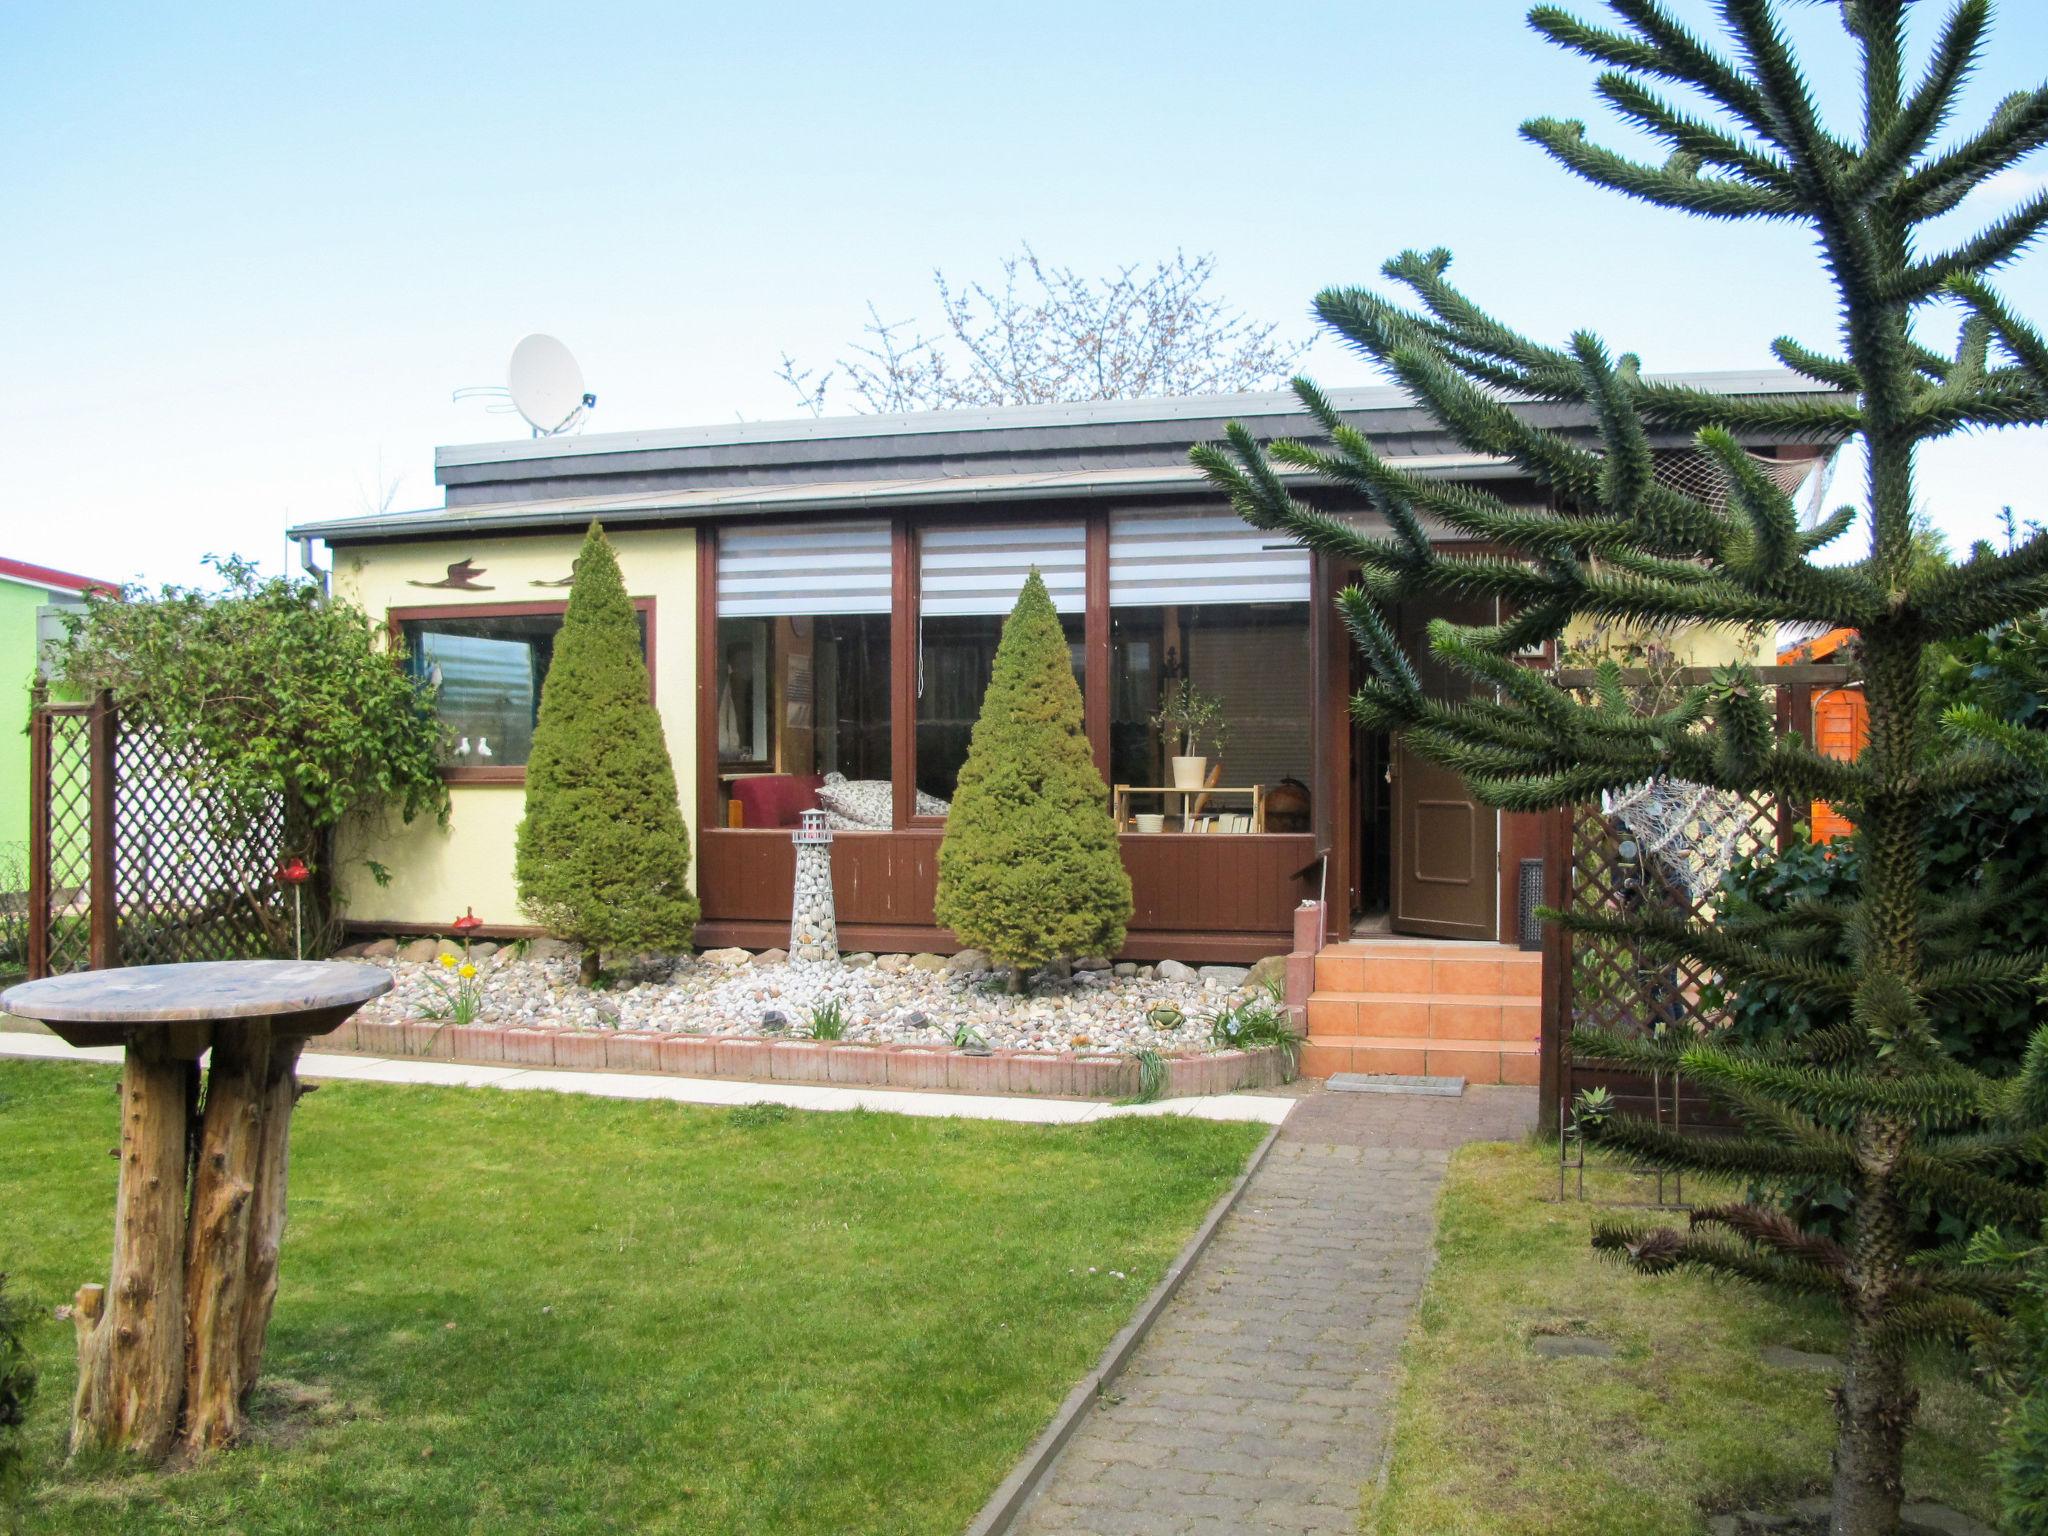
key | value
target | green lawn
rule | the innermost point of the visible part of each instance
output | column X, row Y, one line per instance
column 533, row 1313
column 1491, row 1440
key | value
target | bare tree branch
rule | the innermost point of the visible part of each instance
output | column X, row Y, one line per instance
column 1045, row 333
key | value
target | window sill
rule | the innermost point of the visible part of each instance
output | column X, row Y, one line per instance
column 513, row 774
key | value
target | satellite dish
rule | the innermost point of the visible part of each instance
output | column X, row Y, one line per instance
column 547, row 386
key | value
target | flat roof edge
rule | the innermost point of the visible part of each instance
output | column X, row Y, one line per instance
column 1009, row 418
column 882, row 496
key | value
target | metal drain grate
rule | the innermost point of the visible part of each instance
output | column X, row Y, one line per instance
column 1387, row 1082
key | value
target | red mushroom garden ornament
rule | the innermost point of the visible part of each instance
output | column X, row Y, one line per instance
column 468, row 923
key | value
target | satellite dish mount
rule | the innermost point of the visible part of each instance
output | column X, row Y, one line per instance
column 543, row 384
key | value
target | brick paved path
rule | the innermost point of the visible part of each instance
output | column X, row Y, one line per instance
column 1260, row 1400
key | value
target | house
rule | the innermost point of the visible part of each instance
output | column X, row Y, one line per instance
column 820, row 603
column 31, row 600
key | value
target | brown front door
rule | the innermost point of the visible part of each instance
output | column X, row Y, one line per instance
column 1446, row 844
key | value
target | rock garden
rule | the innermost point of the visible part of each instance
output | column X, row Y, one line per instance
column 921, row 999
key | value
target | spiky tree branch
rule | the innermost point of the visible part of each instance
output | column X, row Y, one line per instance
column 1869, row 1100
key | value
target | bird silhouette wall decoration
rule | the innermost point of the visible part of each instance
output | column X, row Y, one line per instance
column 461, row 577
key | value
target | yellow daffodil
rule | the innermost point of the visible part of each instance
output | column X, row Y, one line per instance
column 467, row 969
column 447, row 962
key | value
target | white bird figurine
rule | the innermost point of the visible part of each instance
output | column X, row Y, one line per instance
column 483, row 747
column 462, row 747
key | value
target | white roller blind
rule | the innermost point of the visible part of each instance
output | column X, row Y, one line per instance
column 1158, row 558
column 794, row 569
column 981, row 569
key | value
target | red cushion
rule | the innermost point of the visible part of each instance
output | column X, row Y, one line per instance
column 774, row 799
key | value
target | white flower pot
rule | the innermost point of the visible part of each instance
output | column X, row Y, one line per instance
column 1150, row 821
column 1190, row 772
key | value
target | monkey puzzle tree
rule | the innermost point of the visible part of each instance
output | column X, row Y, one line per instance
column 1874, row 1102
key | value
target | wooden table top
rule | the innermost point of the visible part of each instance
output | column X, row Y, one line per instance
column 200, row 990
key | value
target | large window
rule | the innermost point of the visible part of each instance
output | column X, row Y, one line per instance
column 484, row 671
column 801, row 671
column 1202, row 599
column 968, row 581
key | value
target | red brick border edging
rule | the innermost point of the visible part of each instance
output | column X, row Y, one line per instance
column 1067, row 1074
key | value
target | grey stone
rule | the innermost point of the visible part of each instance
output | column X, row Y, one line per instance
column 1173, row 970
column 928, row 962
column 774, row 1020
column 420, row 950
column 1560, row 1346
column 1124, row 968
column 726, row 957
column 381, row 949
column 482, row 949
column 917, row 1018
column 968, row 961
column 1228, row 977
column 1798, row 1359
column 771, row 957
column 1148, row 973
column 860, row 959
column 1939, row 1520
column 892, row 962
column 1054, row 970
column 553, row 949
column 1269, row 972
column 1092, row 963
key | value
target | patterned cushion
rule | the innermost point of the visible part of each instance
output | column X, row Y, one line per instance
column 859, row 804
column 868, row 805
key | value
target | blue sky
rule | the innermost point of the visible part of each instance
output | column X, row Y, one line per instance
column 252, row 249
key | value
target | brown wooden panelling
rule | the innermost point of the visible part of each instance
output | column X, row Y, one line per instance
column 1215, row 897
column 1522, row 836
column 708, row 813
column 903, row 670
column 1095, row 704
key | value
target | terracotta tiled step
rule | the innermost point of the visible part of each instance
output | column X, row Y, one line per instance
column 1472, row 970
column 1496, row 1018
column 1477, row 1061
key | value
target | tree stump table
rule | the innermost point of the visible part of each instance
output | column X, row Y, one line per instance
column 170, row 1347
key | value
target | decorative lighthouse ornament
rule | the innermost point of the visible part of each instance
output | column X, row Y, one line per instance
column 813, row 923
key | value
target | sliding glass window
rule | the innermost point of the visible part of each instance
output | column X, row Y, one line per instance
column 1203, row 604
column 968, row 581
column 802, row 675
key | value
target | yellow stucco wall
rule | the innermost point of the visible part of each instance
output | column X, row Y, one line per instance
column 436, row 873
column 1698, row 645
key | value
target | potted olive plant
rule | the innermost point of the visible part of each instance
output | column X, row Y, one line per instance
column 1191, row 721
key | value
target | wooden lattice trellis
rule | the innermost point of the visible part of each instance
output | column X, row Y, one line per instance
column 58, row 908
column 1611, row 984
column 1600, row 865
column 135, row 857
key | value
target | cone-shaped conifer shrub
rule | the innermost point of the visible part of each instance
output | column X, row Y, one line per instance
column 1029, row 869
column 604, row 857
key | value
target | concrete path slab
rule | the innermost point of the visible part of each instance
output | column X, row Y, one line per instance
column 1258, row 1109
column 1259, row 1402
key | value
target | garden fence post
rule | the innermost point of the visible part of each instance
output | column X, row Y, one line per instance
column 1557, row 964
column 101, row 731
column 39, row 833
